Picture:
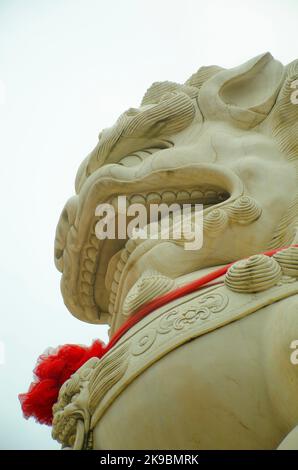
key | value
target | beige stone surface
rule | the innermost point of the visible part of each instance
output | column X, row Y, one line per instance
column 225, row 138
column 233, row 388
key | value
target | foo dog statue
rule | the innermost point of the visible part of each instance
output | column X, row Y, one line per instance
column 211, row 367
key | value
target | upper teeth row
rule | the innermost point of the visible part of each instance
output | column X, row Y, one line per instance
column 207, row 197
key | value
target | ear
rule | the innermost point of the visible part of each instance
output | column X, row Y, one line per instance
column 245, row 94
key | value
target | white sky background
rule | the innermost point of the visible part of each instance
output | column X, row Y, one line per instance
column 68, row 68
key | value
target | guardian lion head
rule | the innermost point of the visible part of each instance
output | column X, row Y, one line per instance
column 227, row 139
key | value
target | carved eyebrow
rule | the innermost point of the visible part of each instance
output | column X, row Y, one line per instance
column 151, row 127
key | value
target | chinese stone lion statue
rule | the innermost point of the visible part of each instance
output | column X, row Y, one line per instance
column 210, row 368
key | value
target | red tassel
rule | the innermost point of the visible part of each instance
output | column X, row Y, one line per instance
column 51, row 371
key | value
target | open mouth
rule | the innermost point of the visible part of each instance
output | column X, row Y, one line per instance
column 155, row 207
column 84, row 259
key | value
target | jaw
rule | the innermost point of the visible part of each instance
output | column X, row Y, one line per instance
column 84, row 260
